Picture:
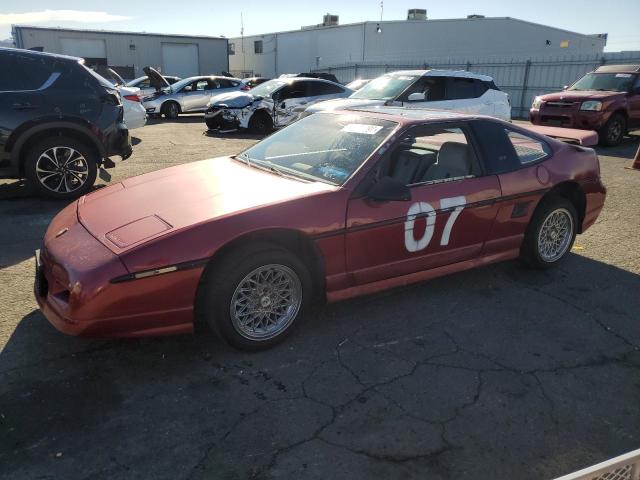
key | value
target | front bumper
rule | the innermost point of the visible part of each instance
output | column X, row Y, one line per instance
column 568, row 117
column 74, row 289
column 222, row 118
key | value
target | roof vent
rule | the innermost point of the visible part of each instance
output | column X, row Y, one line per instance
column 475, row 15
column 417, row 14
column 329, row 20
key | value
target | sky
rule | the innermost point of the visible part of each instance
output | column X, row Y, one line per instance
column 619, row 18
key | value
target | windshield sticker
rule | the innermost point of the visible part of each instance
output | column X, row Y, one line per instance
column 623, row 75
column 361, row 128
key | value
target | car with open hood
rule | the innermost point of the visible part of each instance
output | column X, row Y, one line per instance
column 333, row 206
column 146, row 86
column 188, row 95
column 270, row 105
column 606, row 100
column 456, row 90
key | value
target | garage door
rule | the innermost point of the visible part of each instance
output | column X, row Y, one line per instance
column 180, row 59
column 83, row 47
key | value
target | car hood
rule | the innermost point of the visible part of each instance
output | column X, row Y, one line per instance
column 575, row 96
column 234, row 99
column 140, row 209
column 156, row 80
column 341, row 104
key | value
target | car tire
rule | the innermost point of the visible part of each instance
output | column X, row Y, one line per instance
column 170, row 110
column 261, row 122
column 227, row 304
column 61, row 167
column 613, row 131
column 550, row 233
column 212, row 123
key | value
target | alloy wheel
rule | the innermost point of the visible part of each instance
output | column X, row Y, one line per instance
column 265, row 302
column 62, row 169
column 555, row 235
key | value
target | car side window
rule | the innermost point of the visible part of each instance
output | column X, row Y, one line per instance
column 321, row 88
column 144, row 83
column 191, row 87
column 432, row 153
column 204, row 85
column 461, row 88
column 499, row 149
column 528, row 149
column 23, row 73
column 433, row 89
column 295, row 90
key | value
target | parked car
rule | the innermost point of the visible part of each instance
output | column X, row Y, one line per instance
column 60, row 122
column 249, row 83
column 606, row 100
column 144, row 84
column 135, row 115
column 275, row 103
column 358, row 83
column 185, row 96
column 439, row 89
column 324, row 76
column 334, row 206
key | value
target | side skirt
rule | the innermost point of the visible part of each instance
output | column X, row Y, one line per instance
column 380, row 285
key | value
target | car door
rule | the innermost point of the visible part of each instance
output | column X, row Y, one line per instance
column 447, row 219
column 197, row 96
column 290, row 100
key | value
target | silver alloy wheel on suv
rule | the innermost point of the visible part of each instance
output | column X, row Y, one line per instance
column 62, row 169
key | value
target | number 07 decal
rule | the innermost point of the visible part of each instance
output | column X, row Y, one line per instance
column 423, row 208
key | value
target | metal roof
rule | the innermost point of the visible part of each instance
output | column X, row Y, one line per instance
column 116, row 32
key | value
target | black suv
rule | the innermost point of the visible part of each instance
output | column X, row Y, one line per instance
column 59, row 122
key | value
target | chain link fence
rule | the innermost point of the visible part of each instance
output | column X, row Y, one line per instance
column 522, row 80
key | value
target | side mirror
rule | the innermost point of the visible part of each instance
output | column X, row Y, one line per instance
column 283, row 105
column 389, row 189
column 416, row 97
column 565, row 87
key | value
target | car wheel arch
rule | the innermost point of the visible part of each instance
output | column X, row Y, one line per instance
column 573, row 192
column 294, row 241
column 68, row 129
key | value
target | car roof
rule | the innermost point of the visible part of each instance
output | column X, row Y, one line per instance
column 306, row 79
column 443, row 73
column 618, row 69
column 34, row 53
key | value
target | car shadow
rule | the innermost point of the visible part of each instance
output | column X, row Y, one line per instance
column 186, row 118
column 235, row 135
column 112, row 403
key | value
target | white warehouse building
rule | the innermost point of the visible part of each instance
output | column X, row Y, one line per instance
column 416, row 40
column 130, row 52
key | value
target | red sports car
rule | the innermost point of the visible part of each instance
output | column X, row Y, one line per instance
column 334, row 206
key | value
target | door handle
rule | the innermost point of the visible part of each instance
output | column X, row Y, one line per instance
column 22, row 106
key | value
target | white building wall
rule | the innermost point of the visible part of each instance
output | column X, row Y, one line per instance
column 408, row 42
column 212, row 52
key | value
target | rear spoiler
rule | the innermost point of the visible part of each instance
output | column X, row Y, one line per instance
column 586, row 138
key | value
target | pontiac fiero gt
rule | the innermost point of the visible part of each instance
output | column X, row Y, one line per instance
column 334, row 206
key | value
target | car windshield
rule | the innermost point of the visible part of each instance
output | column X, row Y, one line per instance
column 386, row 87
column 609, row 82
column 323, row 147
column 267, row 88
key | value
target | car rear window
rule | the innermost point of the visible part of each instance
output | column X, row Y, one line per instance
column 527, row 149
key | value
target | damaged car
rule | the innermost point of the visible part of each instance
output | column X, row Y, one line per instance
column 273, row 104
column 186, row 96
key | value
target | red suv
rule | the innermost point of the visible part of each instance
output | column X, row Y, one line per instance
column 606, row 100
